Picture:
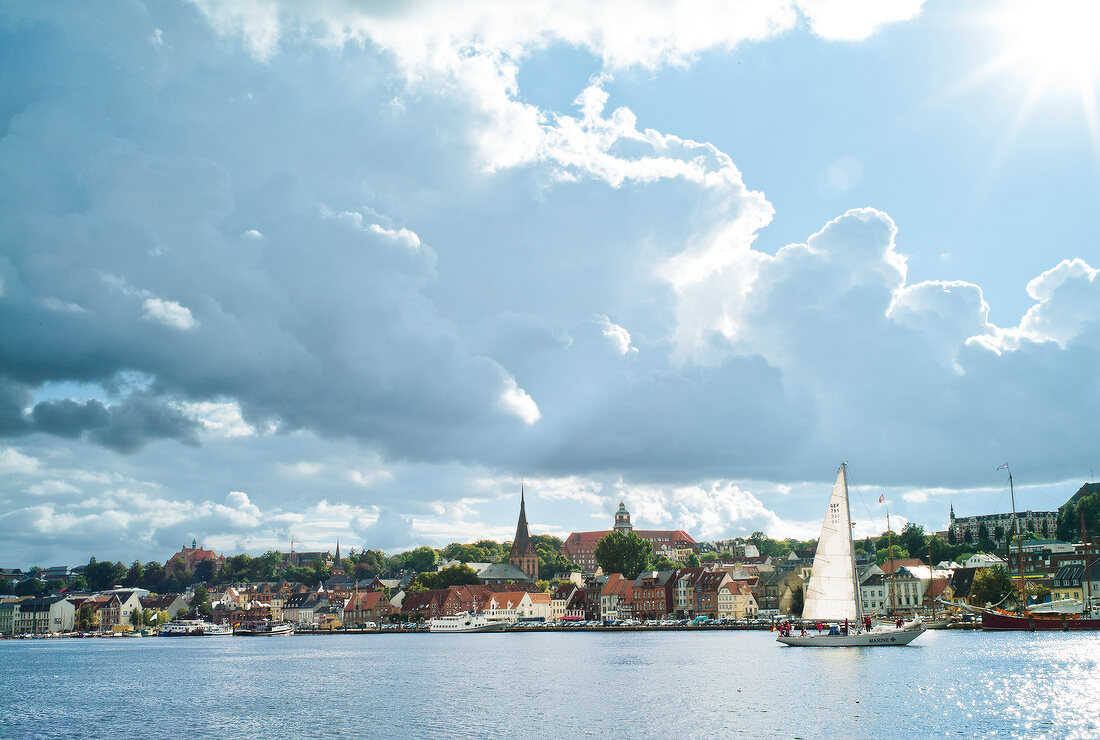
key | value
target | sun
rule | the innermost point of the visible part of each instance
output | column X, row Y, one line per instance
column 1054, row 42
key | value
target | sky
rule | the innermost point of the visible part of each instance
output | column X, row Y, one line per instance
column 274, row 270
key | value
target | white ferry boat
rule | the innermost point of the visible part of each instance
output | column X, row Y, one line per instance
column 193, row 628
column 264, row 629
column 465, row 622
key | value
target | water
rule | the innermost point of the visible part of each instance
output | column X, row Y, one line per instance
column 550, row 685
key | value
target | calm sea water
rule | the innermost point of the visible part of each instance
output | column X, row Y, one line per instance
column 539, row 685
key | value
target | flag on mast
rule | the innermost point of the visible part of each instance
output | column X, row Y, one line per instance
column 882, row 499
column 1003, row 467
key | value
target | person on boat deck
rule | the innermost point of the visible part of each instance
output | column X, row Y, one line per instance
column 867, row 623
column 899, row 623
column 845, row 630
column 834, row 630
column 819, row 627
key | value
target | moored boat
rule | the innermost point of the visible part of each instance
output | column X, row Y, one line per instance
column 193, row 628
column 465, row 622
column 995, row 621
column 264, row 629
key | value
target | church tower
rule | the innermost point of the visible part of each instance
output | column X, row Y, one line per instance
column 337, row 568
column 622, row 519
column 523, row 554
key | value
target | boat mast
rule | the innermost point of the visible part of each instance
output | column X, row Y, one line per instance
column 852, row 549
column 931, row 580
column 893, row 568
column 1086, row 601
column 1019, row 543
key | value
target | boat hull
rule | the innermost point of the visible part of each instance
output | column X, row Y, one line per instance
column 264, row 630
column 997, row 622
column 894, row 638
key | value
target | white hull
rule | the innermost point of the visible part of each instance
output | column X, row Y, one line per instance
column 265, row 630
column 895, row 638
column 465, row 623
column 194, row 628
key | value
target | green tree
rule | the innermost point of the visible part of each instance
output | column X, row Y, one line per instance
column 420, row 559
column 84, row 617
column 898, row 553
column 692, row 561
column 101, row 575
column 200, row 603
column 663, row 562
column 623, row 552
column 152, row 576
column 991, row 585
column 797, row 602
column 912, row 539
column 204, row 572
column 983, row 532
column 133, row 575
column 453, row 575
column 30, row 587
column 999, row 533
column 951, row 536
column 137, row 617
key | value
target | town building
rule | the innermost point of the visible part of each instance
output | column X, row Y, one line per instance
column 616, row 598
column 167, row 604
column 367, row 606
column 44, row 615
column 188, row 558
column 735, row 601
column 997, row 527
column 675, row 544
column 654, row 591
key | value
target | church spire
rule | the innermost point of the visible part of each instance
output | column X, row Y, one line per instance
column 523, row 554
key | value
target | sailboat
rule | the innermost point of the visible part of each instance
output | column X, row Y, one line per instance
column 833, row 592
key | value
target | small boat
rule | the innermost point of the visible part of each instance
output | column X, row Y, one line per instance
column 266, row 628
column 193, row 628
column 832, row 596
column 465, row 622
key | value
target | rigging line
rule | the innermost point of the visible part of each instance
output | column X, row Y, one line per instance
column 863, row 502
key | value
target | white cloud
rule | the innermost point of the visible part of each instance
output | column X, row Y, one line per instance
column 619, row 336
column 516, row 401
column 854, row 20
column 219, row 419
column 14, row 462
column 169, row 313
column 56, row 304
column 52, row 487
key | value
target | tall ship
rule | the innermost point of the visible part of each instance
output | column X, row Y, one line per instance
column 266, row 628
column 832, row 596
column 465, row 622
column 1065, row 615
column 193, row 628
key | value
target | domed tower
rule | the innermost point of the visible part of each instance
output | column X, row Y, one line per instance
column 523, row 554
column 622, row 519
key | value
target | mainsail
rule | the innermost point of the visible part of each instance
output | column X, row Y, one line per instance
column 831, row 594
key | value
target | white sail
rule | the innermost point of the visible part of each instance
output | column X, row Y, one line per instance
column 831, row 594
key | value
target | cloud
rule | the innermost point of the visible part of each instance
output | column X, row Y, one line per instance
column 854, row 20
column 619, row 336
column 169, row 313
column 14, row 462
column 516, row 400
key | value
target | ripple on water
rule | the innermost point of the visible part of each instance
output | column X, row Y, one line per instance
column 537, row 685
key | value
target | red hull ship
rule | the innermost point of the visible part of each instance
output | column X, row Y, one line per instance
column 998, row 622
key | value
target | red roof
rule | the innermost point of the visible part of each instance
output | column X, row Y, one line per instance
column 890, row 566
column 591, row 538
